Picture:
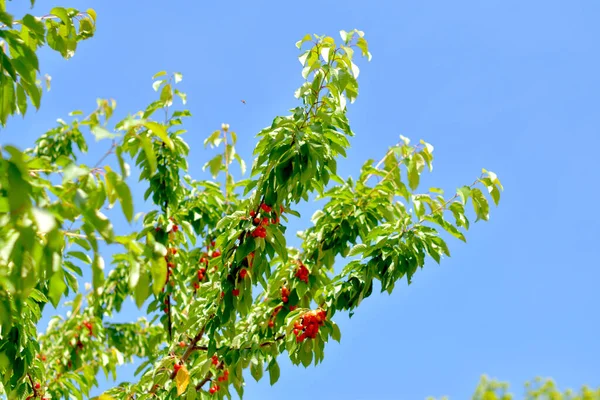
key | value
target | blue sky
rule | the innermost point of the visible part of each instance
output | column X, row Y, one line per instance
column 510, row 86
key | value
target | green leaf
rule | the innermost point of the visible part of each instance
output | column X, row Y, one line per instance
column 73, row 171
column 335, row 332
column 159, row 74
column 256, row 369
column 98, row 272
column 150, row 155
column 142, row 289
column 413, row 175
column 102, row 133
column 305, row 39
column 464, row 193
column 357, row 249
column 241, row 162
column 125, row 199
column 212, row 138
column 159, row 274
column 160, row 131
column 274, row 372
column 480, row 205
column 81, row 256
column 214, row 165
column 56, row 287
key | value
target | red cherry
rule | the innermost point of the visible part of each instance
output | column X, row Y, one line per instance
column 256, row 221
column 182, row 344
column 284, row 299
column 43, row 358
column 236, row 292
column 265, row 208
column 175, row 228
column 216, row 253
column 212, row 243
column 173, row 251
column 176, row 367
column 170, row 265
column 215, row 360
column 222, row 294
column 213, row 389
column 196, row 285
column 204, row 260
column 271, row 323
column 166, row 310
column 292, row 308
column 243, row 273
column 281, row 209
column 252, row 213
column 296, row 331
column 37, row 386
column 158, row 229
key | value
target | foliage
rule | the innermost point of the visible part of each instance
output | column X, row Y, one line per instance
column 210, row 265
column 61, row 29
column 540, row 389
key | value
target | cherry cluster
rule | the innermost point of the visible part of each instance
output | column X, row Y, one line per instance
column 88, row 325
column 223, row 378
column 204, row 264
column 302, row 272
column 170, row 263
column 308, row 326
column 262, row 220
column 285, row 293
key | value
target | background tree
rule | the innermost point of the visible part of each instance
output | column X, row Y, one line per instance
column 223, row 291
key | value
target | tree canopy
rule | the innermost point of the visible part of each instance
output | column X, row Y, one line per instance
column 208, row 261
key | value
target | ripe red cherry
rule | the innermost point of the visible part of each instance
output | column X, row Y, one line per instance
column 285, row 299
column 176, row 367
column 175, row 228
column 243, row 273
column 236, row 292
column 37, row 386
column 182, row 344
column 43, row 358
column 256, row 220
column 271, row 323
column 196, row 285
column 292, row 308
column 215, row 360
column 265, row 208
column 252, row 213
column 204, row 260
column 214, row 389
column 216, row 253
column 166, row 310
column 173, row 251
column 212, row 243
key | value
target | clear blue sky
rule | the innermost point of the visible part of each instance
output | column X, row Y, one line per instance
column 512, row 86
